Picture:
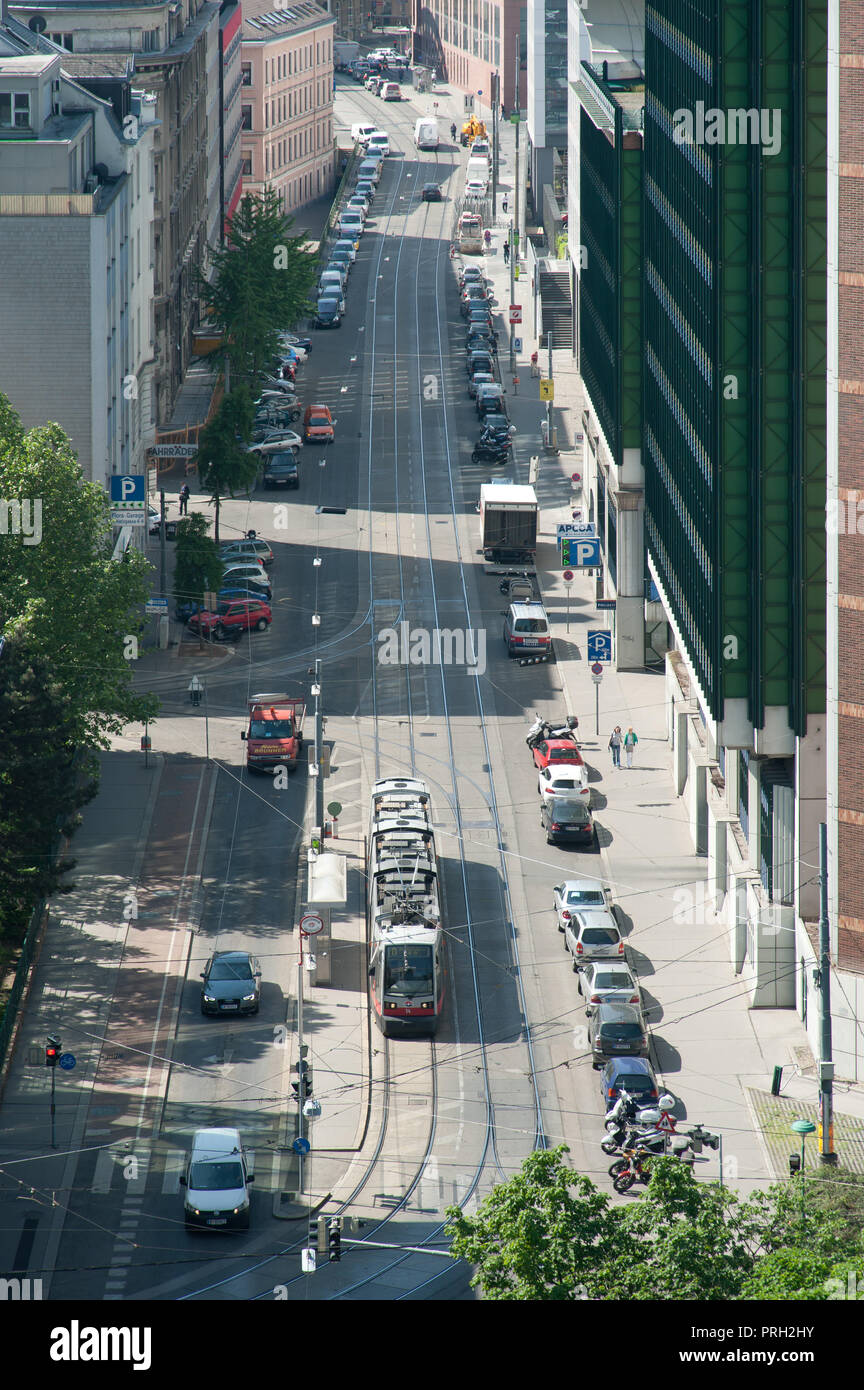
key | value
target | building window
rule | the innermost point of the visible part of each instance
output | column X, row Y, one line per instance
column 150, row 41
column 246, row 168
column 63, row 41
column 744, row 791
column 247, row 74
column 247, row 117
column 15, row 110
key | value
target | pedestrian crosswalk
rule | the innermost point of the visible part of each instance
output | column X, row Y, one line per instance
column 158, row 1169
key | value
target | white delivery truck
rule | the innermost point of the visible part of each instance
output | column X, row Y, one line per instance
column 477, row 171
column 426, row 133
column 344, row 52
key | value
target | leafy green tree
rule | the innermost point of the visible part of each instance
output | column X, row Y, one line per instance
column 540, row 1235
column 791, row 1275
column 198, row 567
column 258, row 283
column 75, row 609
column 43, row 785
column 224, row 462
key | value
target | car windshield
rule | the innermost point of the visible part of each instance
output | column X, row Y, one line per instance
column 599, row 936
column 216, row 1176
column 584, row 897
column 271, row 728
column 408, row 970
column 530, row 625
column 230, row 970
column 620, row 1032
column 318, row 420
column 611, row 979
column 564, row 810
column 326, row 306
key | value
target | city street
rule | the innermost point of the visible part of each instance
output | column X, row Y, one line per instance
column 195, row 854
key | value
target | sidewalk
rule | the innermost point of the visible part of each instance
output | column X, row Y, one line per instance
column 713, row 1053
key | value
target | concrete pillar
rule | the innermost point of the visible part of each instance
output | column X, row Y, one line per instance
column 681, row 752
column 630, row 587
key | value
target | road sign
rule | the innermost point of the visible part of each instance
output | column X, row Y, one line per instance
column 605, row 603
column 67, row 1061
column 301, row 1145
column 597, row 670
column 598, row 680
column 575, row 477
column 576, row 530
column 156, row 605
column 600, row 645
column 172, row 451
column 568, row 576
column 581, row 554
column 311, row 924
column 517, row 344
column 128, row 494
column 547, row 389
column 515, row 313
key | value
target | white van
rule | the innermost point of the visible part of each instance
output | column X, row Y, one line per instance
column 476, row 188
column 378, row 143
column 391, row 91
column 360, row 133
column 217, row 1180
column 478, row 169
column 426, row 133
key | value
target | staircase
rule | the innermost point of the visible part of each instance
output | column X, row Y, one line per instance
column 553, row 286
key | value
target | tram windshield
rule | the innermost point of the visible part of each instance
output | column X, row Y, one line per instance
column 408, row 971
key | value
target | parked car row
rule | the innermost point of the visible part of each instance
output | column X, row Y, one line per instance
column 495, row 443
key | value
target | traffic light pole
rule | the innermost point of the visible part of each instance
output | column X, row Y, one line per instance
column 319, row 751
column 826, row 1064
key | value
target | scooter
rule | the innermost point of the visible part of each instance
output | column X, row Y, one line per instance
column 637, row 1163
column 625, row 1119
column 541, row 730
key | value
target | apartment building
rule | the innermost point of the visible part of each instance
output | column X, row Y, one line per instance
column 175, row 46
column 287, row 101
column 467, row 41
column 76, row 208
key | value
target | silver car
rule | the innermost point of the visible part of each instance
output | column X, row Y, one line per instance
column 608, row 982
column 593, row 935
column 578, row 893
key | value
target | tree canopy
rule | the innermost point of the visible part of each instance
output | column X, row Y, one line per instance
column 549, row 1233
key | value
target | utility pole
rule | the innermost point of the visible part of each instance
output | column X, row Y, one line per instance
column 162, row 555
column 300, row 1073
column 496, row 104
column 319, row 752
column 826, row 1063
column 512, row 259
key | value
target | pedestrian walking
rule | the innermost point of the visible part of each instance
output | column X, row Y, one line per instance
column 630, row 741
column 504, row 204
column 184, row 499
column 503, row 112
column 506, row 252
column 615, row 745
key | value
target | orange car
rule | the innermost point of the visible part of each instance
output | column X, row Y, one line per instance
column 318, row 425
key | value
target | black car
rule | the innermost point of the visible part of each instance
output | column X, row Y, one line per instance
column 479, row 317
column 481, row 340
column 616, row 1030
column 489, row 403
column 479, row 362
column 473, row 294
column 232, row 984
column 431, row 193
column 631, row 1074
column 566, row 820
column 281, row 470
column 496, row 425
column 328, row 315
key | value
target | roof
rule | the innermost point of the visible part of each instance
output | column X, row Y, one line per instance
column 276, row 23
column 216, row 1141
column 508, row 492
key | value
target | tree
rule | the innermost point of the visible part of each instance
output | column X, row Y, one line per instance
column 73, row 607
column 43, row 785
column 259, row 283
column 539, row 1235
column 224, row 461
column 198, row 567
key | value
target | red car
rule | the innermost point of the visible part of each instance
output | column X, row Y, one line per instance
column 242, row 613
column 557, row 750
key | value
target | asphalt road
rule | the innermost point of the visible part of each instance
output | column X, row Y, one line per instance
column 501, row 1076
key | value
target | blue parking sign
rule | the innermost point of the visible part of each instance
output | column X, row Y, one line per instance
column 600, row 645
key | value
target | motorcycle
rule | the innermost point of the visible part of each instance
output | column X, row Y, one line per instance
column 636, row 1165
column 626, row 1119
column 540, row 731
column 487, row 451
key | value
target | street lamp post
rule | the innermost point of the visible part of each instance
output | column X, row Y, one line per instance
column 802, row 1127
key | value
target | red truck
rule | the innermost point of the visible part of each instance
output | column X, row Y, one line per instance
column 274, row 737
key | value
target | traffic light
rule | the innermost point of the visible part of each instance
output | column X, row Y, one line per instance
column 335, row 1240
column 321, row 1235
column 52, row 1051
column 794, row 1165
column 302, row 1088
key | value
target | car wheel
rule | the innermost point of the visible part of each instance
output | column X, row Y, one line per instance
column 474, row 457
column 261, row 625
column 219, row 630
column 575, row 965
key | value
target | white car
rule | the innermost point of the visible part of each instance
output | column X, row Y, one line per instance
column 217, row 1181
column 564, row 780
column 358, row 203
column 608, row 982
column 378, row 145
column 347, row 244
column 351, row 224
column 480, row 146
column 593, row 934
column 579, row 893
column 281, row 439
